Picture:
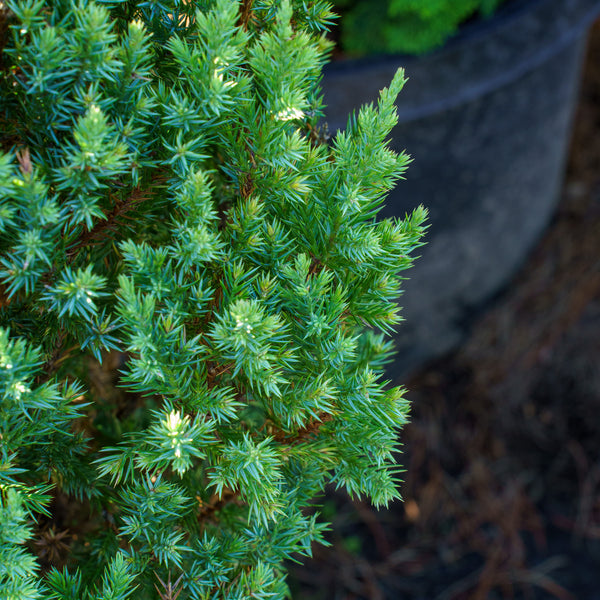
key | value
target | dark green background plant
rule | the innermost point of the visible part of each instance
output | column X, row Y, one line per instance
column 194, row 296
column 404, row 26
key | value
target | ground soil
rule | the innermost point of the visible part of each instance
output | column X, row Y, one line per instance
column 502, row 457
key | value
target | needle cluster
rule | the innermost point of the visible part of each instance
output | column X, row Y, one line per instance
column 167, row 197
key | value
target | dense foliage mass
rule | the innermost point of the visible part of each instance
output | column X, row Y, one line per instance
column 405, row 26
column 194, row 296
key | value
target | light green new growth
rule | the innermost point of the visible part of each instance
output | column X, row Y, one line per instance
column 170, row 208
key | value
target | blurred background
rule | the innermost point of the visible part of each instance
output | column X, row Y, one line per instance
column 502, row 454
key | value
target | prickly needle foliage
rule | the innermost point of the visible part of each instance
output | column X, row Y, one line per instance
column 165, row 196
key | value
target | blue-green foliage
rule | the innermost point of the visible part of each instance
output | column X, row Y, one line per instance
column 167, row 198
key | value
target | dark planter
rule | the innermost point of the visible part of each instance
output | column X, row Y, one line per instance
column 487, row 122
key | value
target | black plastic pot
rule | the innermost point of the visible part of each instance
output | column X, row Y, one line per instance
column 487, row 122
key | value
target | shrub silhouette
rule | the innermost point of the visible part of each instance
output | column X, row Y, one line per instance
column 170, row 208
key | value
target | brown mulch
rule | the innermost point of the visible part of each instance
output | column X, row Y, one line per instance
column 502, row 457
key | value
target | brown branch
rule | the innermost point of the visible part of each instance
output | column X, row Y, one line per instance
column 247, row 187
column 214, row 371
column 24, row 160
column 217, row 503
column 6, row 15
column 245, row 14
column 119, row 212
column 171, row 591
column 316, row 266
column 58, row 356
column 318, row 136
column 304, row 434
column 4, row 299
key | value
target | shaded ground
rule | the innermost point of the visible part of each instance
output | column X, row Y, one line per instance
column 502, row 488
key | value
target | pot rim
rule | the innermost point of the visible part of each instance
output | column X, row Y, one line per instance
column 525, row 44
column 468, row 33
